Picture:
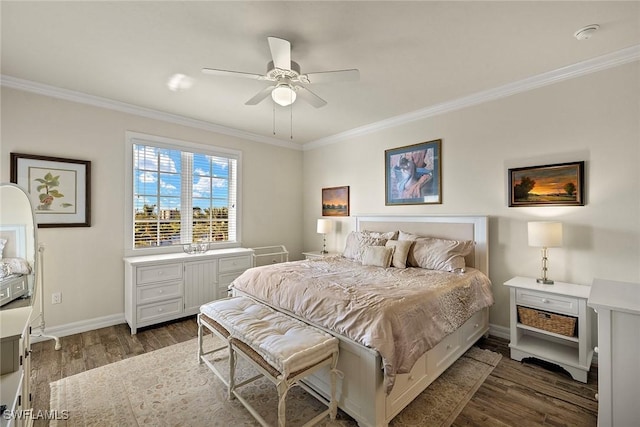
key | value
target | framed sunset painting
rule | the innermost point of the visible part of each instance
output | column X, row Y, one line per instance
column 335, row 201
column 549, row 185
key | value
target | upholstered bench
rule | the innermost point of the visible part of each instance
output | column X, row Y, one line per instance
column 283, row 349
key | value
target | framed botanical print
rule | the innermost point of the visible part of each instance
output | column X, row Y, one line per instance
column 59, row 189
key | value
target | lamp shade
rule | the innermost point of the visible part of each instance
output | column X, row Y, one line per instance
column 545, row 234
column 324, row 226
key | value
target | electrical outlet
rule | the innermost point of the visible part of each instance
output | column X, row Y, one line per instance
column 56, row 298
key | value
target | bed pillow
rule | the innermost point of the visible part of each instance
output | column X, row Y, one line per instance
column 2, row 243
column 439, row 254
column 389, row 235
column 400, row 253
column 379, row 256
column 357, row 241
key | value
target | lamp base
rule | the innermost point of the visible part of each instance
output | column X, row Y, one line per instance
column 324, row 252
column 545, row 281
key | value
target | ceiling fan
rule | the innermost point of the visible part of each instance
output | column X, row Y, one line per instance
column 286, row 77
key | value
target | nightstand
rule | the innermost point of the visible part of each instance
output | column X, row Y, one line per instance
column 318, row 254
column 534, row 327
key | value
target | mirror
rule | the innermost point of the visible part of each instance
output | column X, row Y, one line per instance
column 19, row 249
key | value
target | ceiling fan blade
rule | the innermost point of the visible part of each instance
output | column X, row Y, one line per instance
column 333, row 76
column 310, row 97
column 280, row 52
column 227, row 73
column 258, row 97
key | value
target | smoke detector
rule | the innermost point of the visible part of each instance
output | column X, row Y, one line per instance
column 585, row 33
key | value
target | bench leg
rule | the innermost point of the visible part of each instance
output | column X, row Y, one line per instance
column 232, row 371
column 333, row 404
column 283, row 387
column 200, row 350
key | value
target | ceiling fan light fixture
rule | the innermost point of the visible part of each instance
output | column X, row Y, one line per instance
column 283, row 94
column 179, row 82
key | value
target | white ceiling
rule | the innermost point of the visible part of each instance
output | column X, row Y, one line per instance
column 411, row 55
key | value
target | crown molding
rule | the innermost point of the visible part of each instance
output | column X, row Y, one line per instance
column 96, row 101
column 610, row 60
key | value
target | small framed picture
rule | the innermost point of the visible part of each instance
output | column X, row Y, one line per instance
column 335, row 201
column 59, row 189
column 561, row 184
column 413, row 174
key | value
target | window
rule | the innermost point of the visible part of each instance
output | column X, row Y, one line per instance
column 181, row 193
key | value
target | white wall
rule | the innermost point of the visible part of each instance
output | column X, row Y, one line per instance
column 85, row 264
column 594, row 118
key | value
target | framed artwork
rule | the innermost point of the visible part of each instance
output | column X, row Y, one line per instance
column 335, row 201
column 59, row 189
column 549, row 185
column 413, row 174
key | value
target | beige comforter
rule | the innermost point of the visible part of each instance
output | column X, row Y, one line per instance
column 401, row 313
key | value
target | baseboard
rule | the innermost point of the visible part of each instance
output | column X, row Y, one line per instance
column 79, row 327
column 500, row 331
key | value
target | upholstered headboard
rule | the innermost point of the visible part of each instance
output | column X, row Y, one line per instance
column 474, row 228
column 16, row 241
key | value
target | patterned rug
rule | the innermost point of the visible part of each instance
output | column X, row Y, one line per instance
column 168, row 387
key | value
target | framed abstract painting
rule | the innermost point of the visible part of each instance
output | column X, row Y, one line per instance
column 413, row 174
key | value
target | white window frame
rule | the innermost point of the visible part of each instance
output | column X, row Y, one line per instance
column 132, row 138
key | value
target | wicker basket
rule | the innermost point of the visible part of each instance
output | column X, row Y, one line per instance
column 551, row 322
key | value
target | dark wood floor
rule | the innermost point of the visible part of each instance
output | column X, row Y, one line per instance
column 515, row 394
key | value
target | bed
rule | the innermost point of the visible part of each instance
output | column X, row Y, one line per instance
column 397, row 332
column 14, row 266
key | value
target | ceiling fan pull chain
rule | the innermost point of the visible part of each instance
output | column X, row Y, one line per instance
column 274, row 118
column 291, row 122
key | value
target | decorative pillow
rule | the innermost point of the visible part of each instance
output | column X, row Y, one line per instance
column 357, row 241
column 2, row 243
column 379, row 256
column 389, row 235
column 439, row 254
column 400, row 253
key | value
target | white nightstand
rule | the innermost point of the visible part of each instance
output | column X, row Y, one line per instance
column 318, row 254
column 573, row 353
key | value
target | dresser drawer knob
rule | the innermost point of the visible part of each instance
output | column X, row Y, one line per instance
column 160, row 291
column 160, row 310
column 596, row 349
column 544, row 300
column 476, row 325
column 448, row 346
column 596, row 396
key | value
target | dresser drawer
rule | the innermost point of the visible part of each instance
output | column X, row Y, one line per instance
column 159, row 273
column 159, row 310
column 548, row 302
column 235, row 263
column 152, row 293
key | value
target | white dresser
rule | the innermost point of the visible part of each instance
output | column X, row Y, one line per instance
column 169, row 286
column 618, row 308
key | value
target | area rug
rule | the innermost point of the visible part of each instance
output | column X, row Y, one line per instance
column 168, row 387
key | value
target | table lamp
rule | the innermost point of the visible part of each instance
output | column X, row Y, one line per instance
column 324, row 227
column 545, row 234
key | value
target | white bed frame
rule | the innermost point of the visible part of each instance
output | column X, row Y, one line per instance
column 361, row 392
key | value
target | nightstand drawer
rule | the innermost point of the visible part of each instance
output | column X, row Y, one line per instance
column 548, row 302
column 159, row 273
column 235, row 263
